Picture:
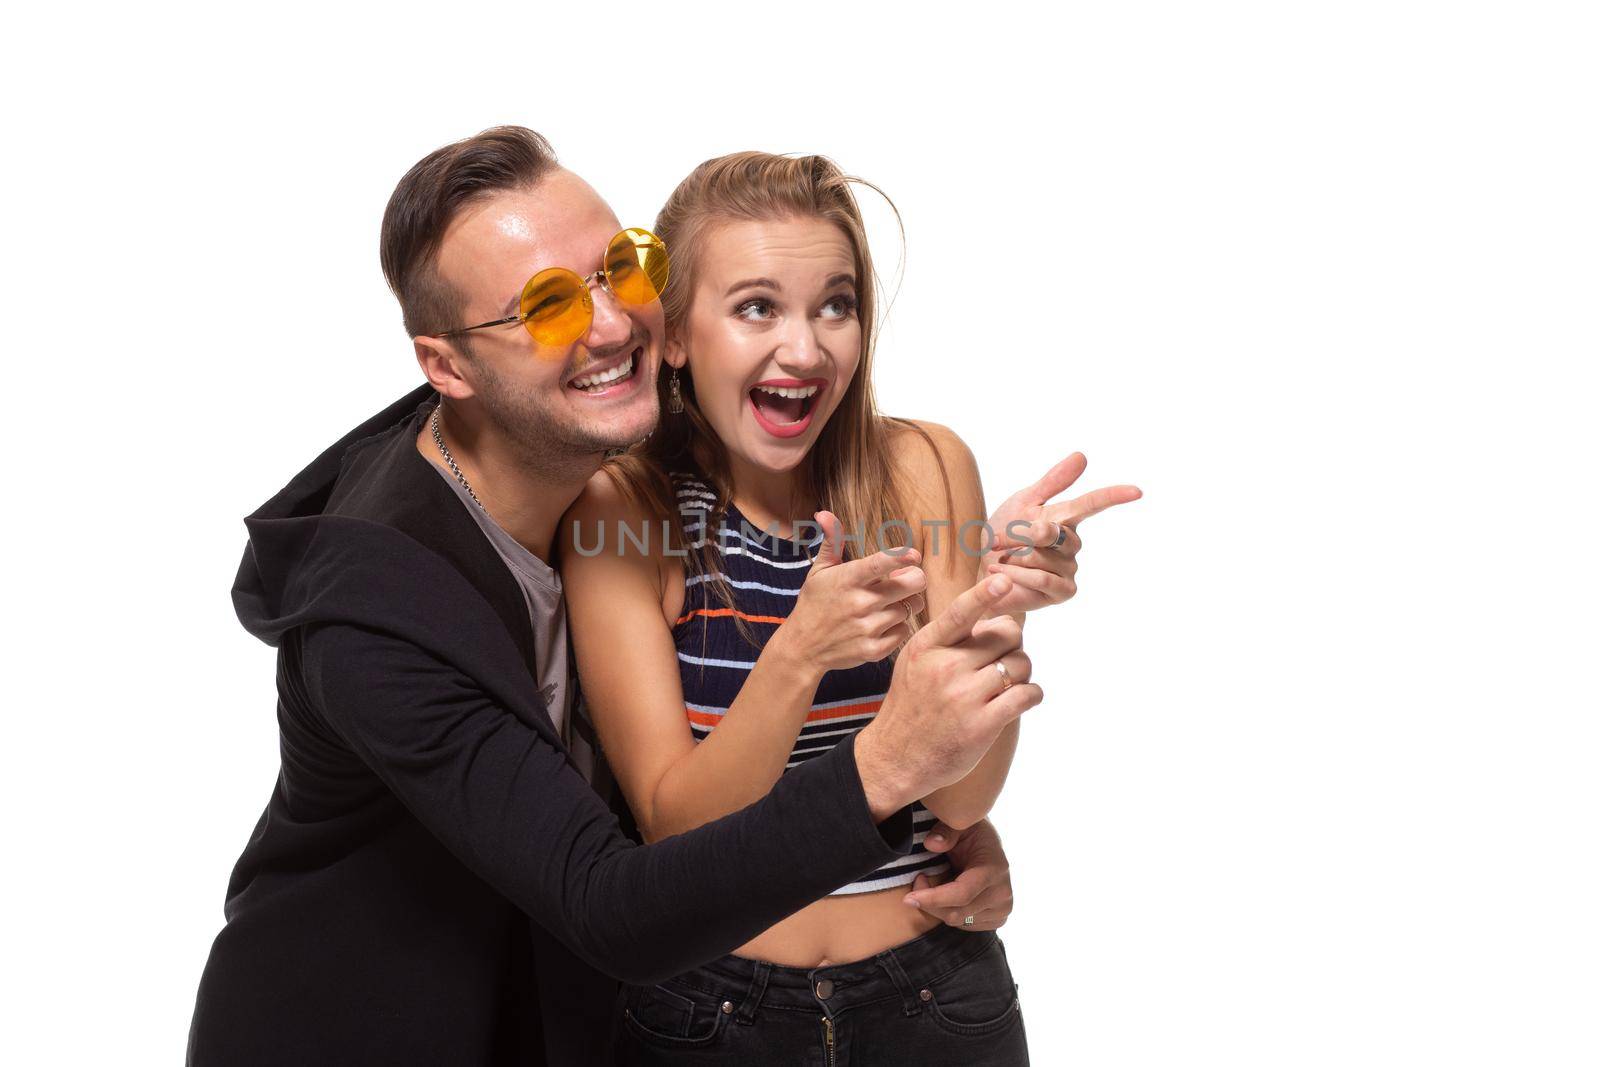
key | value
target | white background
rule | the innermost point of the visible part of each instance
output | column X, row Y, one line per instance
column 1315, row 781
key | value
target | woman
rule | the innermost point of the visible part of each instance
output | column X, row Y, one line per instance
column 769, row 422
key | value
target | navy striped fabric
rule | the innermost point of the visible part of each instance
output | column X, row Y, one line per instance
column 765, row 574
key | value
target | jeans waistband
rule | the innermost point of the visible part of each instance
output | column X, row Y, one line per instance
column 903, row 972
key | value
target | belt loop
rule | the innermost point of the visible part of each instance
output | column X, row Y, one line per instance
column 910, row 1003
column 758, row 989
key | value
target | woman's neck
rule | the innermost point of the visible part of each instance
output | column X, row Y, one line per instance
column 770, row 499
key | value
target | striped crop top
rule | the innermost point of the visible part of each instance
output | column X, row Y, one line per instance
column 764, row 574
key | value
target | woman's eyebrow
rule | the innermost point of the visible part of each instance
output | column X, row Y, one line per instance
column 840, row 279
column 755, row 283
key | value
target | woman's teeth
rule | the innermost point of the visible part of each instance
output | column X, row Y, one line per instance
column 801, row 391
column 783, row 404
column 591, row 381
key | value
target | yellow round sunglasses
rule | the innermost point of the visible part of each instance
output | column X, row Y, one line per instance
column 555, row 306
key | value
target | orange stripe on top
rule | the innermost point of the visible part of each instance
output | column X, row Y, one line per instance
column 843, row 711
column 708, row 718
column 724, row 612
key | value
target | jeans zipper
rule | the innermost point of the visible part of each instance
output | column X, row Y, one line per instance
column 827, row 1038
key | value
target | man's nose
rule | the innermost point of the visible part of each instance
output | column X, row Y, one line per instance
column 611, row 325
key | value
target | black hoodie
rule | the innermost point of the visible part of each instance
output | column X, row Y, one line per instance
column 426, row 809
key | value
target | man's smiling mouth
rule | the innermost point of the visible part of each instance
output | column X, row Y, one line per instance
column 620, row 371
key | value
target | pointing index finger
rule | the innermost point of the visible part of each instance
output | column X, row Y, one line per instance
column 881, row 564
column 1077, row 509
column 955, row 624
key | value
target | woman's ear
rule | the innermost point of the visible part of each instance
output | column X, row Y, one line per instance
column 676, row 355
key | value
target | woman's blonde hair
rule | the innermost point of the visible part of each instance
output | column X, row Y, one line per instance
column 848, row 470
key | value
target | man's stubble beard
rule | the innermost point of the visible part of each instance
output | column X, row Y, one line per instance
column 544, row 433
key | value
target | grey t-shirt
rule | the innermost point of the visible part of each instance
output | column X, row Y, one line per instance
column 547, row 608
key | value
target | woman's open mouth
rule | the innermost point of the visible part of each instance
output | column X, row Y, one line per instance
column 784, row 406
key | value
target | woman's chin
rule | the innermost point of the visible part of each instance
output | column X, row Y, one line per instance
column 769, row 454
column 775, row 460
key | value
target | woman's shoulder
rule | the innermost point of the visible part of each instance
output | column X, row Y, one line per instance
column 604, row 498
column 925, row 452
column 937, row 477
column 616, row 516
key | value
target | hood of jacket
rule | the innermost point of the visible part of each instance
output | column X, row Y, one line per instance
column 369, row 534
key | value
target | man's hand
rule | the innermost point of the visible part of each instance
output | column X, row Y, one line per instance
column 1044, row 574
column 947, row 702
column 981, row 889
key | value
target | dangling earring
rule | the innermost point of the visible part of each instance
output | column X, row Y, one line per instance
column 675, row 394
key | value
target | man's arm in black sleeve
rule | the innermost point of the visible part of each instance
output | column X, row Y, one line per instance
column 508, row 803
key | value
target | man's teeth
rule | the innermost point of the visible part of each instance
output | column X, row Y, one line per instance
column 621, row 370
column 801, row 391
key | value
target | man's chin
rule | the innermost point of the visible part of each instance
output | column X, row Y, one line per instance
column 628, row 424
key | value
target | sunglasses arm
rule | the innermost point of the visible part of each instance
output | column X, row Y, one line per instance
column 482, row 326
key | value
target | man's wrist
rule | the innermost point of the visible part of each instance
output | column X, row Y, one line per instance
column 881, row 779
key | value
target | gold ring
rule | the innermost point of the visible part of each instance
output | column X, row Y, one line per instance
column 1005, row 676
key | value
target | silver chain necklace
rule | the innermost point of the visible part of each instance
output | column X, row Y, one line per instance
column 438, row 439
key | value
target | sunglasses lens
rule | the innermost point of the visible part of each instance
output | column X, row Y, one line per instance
column 636, row 266
column 556, row 307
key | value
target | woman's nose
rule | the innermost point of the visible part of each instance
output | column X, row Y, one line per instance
column 801, row 350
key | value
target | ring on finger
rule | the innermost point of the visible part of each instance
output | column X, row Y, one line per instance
column 1005, row 676
column 1061, row 536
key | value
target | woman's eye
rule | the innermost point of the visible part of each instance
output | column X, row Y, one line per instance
column 754, row 310
column 839, row 307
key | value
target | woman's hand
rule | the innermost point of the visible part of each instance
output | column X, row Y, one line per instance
column 852, row 613
column 1036, row 543
column 982, row 886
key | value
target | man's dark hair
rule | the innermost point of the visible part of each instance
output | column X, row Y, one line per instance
column 426, row 201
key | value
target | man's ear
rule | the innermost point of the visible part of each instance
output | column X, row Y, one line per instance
column 676, row 355
column 442, row 364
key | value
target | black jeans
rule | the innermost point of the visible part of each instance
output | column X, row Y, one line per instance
column 945, row 998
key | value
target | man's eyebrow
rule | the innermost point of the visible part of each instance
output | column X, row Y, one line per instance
column 755, row 283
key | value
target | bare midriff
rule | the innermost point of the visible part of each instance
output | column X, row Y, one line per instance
column 842, row 929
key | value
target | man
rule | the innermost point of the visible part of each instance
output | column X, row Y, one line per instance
column 429, row 803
